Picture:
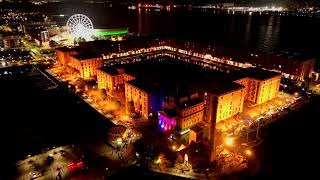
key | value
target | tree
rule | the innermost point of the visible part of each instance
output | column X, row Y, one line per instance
column 145, row 151
column 103, row 94
column 95, row 37
column 179, row 159
column 118, row 104
column 130, row 107
column 75, row 42
column 81, row 39
column 164, row 163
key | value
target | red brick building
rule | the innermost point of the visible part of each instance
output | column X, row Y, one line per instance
column 86, row 64
column 112, row 79
column 64, row 54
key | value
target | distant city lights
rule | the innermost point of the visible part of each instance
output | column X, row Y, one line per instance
column 257, row 9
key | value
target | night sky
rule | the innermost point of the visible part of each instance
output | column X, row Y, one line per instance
column 239, row 2
column 284, row 3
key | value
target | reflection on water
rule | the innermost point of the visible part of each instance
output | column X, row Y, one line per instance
column 270, row 34
column 247, row 34
column 262, row 32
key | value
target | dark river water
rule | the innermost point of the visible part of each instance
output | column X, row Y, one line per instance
column 267, row 33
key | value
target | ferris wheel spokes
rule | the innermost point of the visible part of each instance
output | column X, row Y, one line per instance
column 80, row 26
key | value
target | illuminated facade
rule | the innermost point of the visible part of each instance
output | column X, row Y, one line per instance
column 306, row 69
column 112, row 79
column 291, row 65
column 86, row 64
column 219, row 103
column 113, row 34
column 196, row 133
column 190, row 116
column 229, row 104
column 188, row 110
column 10, row 41
column 144, row 98
column 64, row 54
column 261, row 86
column 167, row 120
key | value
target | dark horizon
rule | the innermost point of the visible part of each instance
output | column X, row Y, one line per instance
column 284, row 3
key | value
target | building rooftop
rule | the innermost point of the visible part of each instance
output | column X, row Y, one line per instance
column 197, row 128
column 261, row 74
column 168, row 71
column 190, row 103
column 110, row 70
column 9, row 33
column 177, row 78
column 87, row 55
column 67, row 49
column 113, row 70
column 292, row 56
column 107, row 47
column 147, row 86
column 171, row 113
column 219, row 86
column 257, row 57
column 256, row 73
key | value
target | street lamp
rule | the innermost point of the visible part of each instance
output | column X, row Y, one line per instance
column 119, row 141
column 248, row 152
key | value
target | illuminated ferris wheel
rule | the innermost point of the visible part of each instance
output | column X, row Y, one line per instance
column 80, row 26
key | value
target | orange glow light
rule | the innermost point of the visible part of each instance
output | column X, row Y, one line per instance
column 229, row 141
column 248, row 152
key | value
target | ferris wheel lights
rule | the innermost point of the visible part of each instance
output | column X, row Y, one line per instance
column 80, row 26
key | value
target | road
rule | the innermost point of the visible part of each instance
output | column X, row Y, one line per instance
column 39, row 167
